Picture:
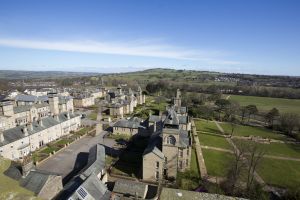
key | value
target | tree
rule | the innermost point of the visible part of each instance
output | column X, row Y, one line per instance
column 231, row 110
column 233, row 123
column 243, row 111
column 221, row 105
column 235, row 170
column 255, row 154
column 271, row 115
column 289, row 122
column 252, row 110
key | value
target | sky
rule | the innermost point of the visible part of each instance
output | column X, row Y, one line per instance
column 239, row 36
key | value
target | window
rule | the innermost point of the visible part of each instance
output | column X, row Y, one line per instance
column 180, row 153
column 171, row 140
column 157, row 175
column 180, row 164
column 157, row 165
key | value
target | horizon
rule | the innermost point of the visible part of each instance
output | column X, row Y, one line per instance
column 155, row 68
column 251, row 37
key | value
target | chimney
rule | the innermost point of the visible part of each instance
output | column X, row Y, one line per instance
column 68, row 115
column 1, row 137
column 25, row 131
column 40, row 122
column 30, row 126
column 56, row 117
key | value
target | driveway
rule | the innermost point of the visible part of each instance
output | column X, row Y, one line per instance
column 72, row 158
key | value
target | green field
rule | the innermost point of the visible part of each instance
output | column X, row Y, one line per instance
column 194, row 163
column 206, row 126
column 217, row 162
column 267, row 103
column 277, row 149
column 280, row 173
column 9, row 188
column 241, row 130
column 207, row 139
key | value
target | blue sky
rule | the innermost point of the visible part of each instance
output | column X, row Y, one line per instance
column 241, row 36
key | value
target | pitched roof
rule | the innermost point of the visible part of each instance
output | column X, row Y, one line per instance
column 93, row 188
column 16, row 133
column 96, row 160
column 132, row 188
column 36, row 180
column 131, row 123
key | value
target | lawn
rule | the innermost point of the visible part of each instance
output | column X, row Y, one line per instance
column 241, row 130
column 194, row 163
column 206, row 126
column 277, row 149
column 217, row 163
column 207, row 139
column 267, row 103
column 280, row 173
column 9, row 188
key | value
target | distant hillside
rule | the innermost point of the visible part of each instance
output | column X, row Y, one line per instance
column 14, row 74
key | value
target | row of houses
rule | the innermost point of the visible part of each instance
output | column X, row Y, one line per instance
column 119, row 102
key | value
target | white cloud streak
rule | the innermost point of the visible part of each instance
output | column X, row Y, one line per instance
column 136, row 48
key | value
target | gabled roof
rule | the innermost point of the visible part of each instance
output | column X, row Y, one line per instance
column 16, row 133
column 96, row 160
column 132, row 188
column 93, row 188
column 131, row 123
column 36, row 180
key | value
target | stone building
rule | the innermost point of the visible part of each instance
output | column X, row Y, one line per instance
column 128, row 127
column 43, row 184
column 17, row 142
column 84, row 101
column 169, row 149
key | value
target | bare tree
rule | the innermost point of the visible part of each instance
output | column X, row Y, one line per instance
column 254, row 156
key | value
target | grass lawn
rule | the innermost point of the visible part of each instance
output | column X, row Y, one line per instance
column 267, row 103
column 217, row 163
column 93, row 115
column 207, row 139
column 194, row 163
column 280, row 173
column 206, row 126
column 241, row 130
column 278, row 149
column 9, row 188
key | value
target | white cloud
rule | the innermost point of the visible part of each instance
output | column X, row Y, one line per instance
column 134, row 48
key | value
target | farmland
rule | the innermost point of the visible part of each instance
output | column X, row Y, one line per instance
column 267, row 103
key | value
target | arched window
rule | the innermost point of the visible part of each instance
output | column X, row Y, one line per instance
column 171, row 140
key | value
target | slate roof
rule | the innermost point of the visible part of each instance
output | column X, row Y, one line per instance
column 184, row 140
column 96, row 160
column 154, row 118
column 155, row 145
column 132, row 188
column 171, row 118
column 36, row 180
column 19, row 109
column 93, row 186
column 131, row 123
column 16, row 133
column 31, row 98
column 183, row 119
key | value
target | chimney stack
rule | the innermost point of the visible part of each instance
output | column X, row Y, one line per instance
column 40, row 122
column 1, row 137
column 25, row 131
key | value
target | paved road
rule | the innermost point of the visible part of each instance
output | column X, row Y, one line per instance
column 64, row 161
